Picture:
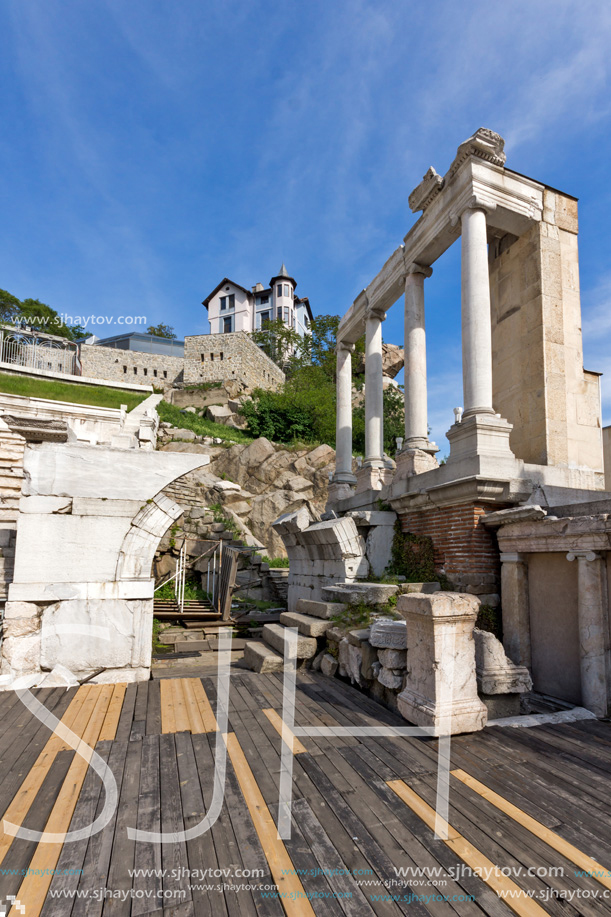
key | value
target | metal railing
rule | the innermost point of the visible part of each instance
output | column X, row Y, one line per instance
column 35, row 352
column 220, row 578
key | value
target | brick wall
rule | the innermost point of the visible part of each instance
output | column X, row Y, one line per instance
column 219, row 357
column 116, row 365
column 465, row 550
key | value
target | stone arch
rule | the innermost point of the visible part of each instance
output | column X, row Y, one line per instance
column 148, row 527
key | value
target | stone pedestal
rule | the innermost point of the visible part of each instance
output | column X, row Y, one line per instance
column 485, row 437
column 414, row 461
column 373, row 477
column 441, row 689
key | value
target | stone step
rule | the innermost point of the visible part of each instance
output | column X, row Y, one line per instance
column 307, row 625
column 324, row 610
column 261, row 658
column 273, row 635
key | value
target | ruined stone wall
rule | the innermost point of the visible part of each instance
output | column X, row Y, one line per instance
column 116, row 365
column 538, row 378
column 465, row 550
column 220, row 357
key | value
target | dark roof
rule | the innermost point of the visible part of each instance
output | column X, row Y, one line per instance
column 306, row 302
column 222, row 284
column 138, row 335
column 283, row 275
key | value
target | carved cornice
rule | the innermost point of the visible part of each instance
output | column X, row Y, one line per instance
column 36, row 429
column 484, row 144
column 426, row 192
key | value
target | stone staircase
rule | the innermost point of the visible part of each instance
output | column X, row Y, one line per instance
column 312, row 620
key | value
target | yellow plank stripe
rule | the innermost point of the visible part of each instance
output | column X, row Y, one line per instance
column 510, row 893
column 572, row 853
column 196, row 723
column 168, row 721
column 282, row 729
column 292, row 893
column 206, row 712
column 75, row 718
column 181, row 715
column 111, row 721
column 34, row 888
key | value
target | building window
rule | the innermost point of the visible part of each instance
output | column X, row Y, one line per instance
column 287, row 290
column 287, row 316
column 279, row 311
column 221, row 355
column 227, row 302
column 155, row 373
column 203, row 356
column 125, row 369
column 145, row 371
column 279, row 290
column 227, row 326
column 165, row 374
column 265, row 318
column 135, row 370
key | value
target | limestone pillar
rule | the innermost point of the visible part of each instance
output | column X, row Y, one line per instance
column 593, row 619
column 516, row 611
column 416, row 420
column 476, row 317
column 374, row 390
column 440, row 686
column 343, row 444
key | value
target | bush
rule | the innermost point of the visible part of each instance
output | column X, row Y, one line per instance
column 412, row 556
column 275, row 562
column 303, row 411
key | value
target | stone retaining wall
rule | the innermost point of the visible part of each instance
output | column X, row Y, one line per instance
column 219, row 357
column 116, row 365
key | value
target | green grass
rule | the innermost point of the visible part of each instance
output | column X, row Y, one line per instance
column 275, row 562
column 169, row 413
column 99, row 396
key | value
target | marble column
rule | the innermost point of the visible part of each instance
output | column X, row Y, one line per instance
column 476, row 317
column 593, row 619
column 343, row 445
column 416, row 416
column 374, row 390
column 516, row 610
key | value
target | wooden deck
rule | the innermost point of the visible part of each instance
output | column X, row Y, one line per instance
column 533, row 802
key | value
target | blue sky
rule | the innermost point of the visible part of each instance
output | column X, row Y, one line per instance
column 151, row 148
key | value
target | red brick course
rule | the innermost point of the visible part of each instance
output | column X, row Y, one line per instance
column 465, row 550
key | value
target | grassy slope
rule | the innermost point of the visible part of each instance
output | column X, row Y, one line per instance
column 171, row 414
column 100, row 396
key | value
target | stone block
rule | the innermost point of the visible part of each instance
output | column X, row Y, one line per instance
column 20, row 610
column 353, row 662
column 496, row 673
column 307, row 625
column 369, row 657
column 501, row 705
column 354, row 593
column 329, row 665
column 393, row 659
column 356, row 637
column 324, row 610
column 335, row 634
column 388, row 634
column 273, row 635
column 389, row 680
column 260, row 658
column 426, row 588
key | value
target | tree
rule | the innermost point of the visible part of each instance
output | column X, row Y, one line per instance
column 9, row 307
column 42, row 317
column 162, row 331
column 279, row 342
column 394, row 423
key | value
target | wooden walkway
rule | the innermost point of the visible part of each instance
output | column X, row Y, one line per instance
column 529, row 827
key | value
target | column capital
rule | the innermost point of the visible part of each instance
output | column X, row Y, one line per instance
column 415, row 268
column 475, row 202
column 375, row 312
column 345, row 346
column 582, row 555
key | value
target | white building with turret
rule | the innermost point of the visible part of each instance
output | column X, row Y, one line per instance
column 232, row 307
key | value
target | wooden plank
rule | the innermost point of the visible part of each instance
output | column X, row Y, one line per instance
column 287, row 735
column 206, row 712
column 181, row 715
column 153, row 710
column 141, row 700
column 123, row 847
column 511, row 893
column 196, row 798
column 280, row 864
column 111, row 720
column 147, row 856
column 196, row 723
column 173, row 856
column 168, row 718
column 554, row 840
column 34, row 888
